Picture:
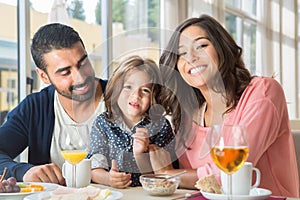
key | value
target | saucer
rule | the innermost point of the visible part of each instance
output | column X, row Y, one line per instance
column 115, row 195
column 255, row 194
column 20, row 195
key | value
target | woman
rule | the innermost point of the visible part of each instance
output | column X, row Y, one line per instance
column 215, row 87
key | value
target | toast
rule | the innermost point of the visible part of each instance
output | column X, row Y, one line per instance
column 209, row 184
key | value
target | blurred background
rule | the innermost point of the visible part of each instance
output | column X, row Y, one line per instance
column 267, row 30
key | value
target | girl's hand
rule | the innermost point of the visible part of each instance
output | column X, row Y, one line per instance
column 118, row 179
column 141, row 141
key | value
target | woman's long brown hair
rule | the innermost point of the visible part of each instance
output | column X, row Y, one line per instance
column 180, row 99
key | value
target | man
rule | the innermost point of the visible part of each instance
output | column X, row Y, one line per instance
column 74, row 96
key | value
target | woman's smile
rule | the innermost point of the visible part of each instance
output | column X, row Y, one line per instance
column 197, row 70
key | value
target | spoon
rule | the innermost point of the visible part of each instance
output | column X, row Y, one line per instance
column 173, row 176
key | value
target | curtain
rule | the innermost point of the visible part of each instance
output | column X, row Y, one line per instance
column 277, row 47
column 172, row 13
column 214, row 8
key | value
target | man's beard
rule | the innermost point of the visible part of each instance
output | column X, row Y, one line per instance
column 78, row 97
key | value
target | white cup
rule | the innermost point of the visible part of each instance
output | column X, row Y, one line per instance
column 241, row 180
column 83, row 173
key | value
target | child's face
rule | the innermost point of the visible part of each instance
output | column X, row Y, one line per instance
column 135, row 97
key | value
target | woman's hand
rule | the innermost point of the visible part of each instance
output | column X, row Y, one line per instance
column 140, row 141
column 118, row 179
column 160, row 159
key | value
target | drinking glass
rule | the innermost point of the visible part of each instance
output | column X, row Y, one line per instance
column 229, row 149
column 74, row 145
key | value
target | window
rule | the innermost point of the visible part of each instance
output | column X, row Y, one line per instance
column 266, row 31
column 240, row 19
column 8, row 58
column 135, row 29
column 247, row 6
column 12, row 93
column 243, row 28
column 79, row 14
column 298, row 61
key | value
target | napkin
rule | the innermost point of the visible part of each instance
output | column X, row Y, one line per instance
column 203, row 198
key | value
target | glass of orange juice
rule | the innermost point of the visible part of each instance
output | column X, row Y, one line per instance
column 229, row 149
column 74, row 145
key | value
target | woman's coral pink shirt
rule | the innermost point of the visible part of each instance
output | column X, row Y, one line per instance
column 262, row 109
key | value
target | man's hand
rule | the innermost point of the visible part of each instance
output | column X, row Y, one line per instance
column 118, row 179
column 49, row 173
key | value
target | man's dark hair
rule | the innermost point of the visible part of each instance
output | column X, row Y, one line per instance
column 50, row 37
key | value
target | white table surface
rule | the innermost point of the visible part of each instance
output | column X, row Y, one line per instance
column 138, row 193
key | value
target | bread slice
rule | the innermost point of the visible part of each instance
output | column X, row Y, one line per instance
column 209, row 184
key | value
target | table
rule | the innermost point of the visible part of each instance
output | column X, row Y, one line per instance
column 138, row 193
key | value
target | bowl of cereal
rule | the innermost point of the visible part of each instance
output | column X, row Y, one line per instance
column 157, row 185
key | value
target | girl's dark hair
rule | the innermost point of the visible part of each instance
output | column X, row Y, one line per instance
column 50, row 37
column 179, row 98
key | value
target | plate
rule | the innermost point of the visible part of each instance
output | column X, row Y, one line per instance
column 255, row 194
column 40, row 196
column 21, row 195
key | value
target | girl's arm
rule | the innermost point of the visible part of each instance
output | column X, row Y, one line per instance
column 141, row 149
column 112, row 178
column 99, row 154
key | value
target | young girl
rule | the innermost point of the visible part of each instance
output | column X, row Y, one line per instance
column 131, row 127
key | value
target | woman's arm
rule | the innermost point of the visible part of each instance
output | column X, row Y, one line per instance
column 187, row 180
column 162, row 164
column 160, row 159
